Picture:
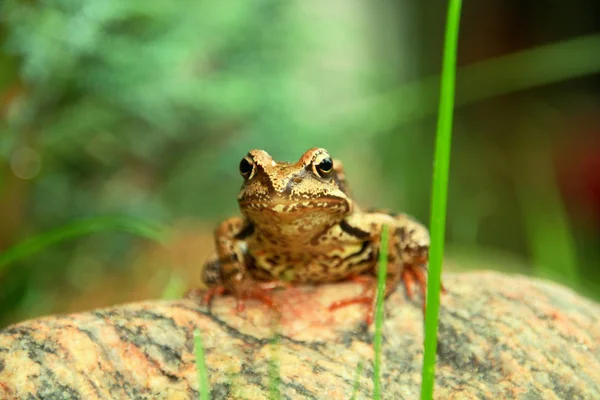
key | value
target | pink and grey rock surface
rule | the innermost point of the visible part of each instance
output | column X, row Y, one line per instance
column 500, row 337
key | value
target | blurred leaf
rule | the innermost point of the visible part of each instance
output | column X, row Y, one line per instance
column 546, row 221
column 76, row 229
column 526, row 69
column 175, row 287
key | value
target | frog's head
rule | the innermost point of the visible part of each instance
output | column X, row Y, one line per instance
column 310, row 191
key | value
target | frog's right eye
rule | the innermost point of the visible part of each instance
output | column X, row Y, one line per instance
column 324, row 167
column 247, row 167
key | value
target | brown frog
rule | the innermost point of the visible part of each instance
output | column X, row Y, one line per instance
column 300, row 225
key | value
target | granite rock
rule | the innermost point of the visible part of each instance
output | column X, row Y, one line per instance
column 500, row 336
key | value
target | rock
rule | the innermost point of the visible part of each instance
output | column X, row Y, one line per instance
column 500, row 337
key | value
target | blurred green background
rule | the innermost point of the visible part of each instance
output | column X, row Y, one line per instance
column 136, row 114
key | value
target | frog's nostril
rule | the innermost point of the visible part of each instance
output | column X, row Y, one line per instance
column 280, row 186
column 287, row 186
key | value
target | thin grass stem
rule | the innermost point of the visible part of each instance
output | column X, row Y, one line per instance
column 201, row 366
column 440, row 196
column 377, row 340
column 356, row 386
column 274, row 373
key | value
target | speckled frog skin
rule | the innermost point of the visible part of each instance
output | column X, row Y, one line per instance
column 300, row 225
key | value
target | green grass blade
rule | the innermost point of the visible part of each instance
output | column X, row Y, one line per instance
column 546, row 219
column 78, row 228
column 201, row 366
column 356, row 386
column 377, row 340
column 175, row 287
column 439, row 197
column 494, row 77
column 274, row 374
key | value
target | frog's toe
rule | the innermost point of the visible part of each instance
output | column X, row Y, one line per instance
column 348, row 302
column 254, row 291
column 193, row 294
column 272, row 285
column 211, row 293
column 368, row 299
column 414, row 275
column 204, row 295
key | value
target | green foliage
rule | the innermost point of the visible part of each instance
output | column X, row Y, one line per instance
column 201, row 366
column 439, row 197
column 145, row 109
column 150, row 87
column 356, row 386
column 378, row 337
column 175, row 287
column 546, row 221
column 490, row 78
column 77, row 229
column 274, row 373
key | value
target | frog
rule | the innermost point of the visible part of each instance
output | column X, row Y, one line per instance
column 300, row 225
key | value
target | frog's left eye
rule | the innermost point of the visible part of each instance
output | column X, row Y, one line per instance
column 247, row 167
column 324, row 167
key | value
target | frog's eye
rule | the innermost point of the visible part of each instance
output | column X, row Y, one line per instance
column 247, row 167
column 324, row 167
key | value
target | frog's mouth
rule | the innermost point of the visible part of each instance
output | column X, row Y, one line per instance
column 295, row 220
column 328, row 205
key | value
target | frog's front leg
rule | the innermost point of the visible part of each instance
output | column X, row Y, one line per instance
column 228, row 272
column 408, row 254
column 369, row 293
column 408, row 250
column 367, row 227
column 412, row 247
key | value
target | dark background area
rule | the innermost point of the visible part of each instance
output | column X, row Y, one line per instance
column 144, row 109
